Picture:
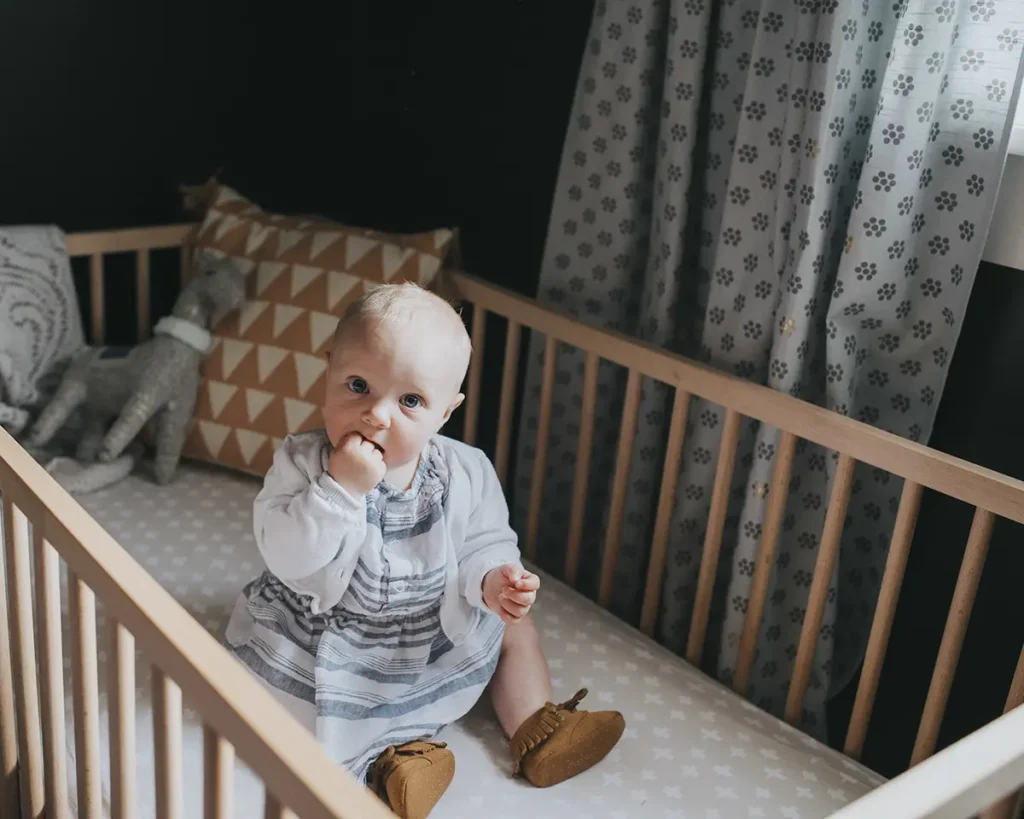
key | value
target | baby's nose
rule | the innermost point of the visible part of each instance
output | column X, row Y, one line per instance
column 378, row 416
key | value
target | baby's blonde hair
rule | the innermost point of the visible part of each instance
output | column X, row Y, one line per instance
column 397, row 305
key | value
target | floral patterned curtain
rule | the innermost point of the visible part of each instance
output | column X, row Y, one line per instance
column 797, row 192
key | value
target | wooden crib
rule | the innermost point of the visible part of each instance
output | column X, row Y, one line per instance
column 44, row 526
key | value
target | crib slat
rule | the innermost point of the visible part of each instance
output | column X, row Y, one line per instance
column 824, row 566
column 219, row 760
column 273, row 809
column 581, row 480
column 51, row 664
column 122, row 722
column 476, row 365
column 666, row 503
column 620, row 485
column 9, row 799
column 540, row 460
column 142, row 294
column 766, row 550
column 1015, row 696
column 96, row 296
column 885, row 612
column 1003, row 809
column 953, row 634
column 23, row 657
column 506, row 412
column 167, row 745
column 85, row 680
column 713, row 536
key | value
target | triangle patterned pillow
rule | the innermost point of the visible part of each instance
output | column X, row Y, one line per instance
column 264, row 377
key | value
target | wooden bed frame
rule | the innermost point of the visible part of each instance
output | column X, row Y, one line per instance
column 43, row 525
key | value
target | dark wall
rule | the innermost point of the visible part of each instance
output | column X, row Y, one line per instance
column 423, row 114
column 397, row 116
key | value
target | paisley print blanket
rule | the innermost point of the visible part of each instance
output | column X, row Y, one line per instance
column 40, row 324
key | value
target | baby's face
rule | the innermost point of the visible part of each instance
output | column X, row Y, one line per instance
column 395, row 389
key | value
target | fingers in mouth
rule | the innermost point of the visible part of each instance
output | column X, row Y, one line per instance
column 376, row 446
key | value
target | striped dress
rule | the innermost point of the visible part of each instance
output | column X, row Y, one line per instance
column 376, row 669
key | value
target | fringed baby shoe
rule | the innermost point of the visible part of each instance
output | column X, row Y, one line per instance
column 413, row 777
column 558, row 742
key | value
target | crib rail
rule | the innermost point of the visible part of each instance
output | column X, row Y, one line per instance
column 42, row 526
column 990, row 493
column 140, row 241
column 961, row 780
column 239, row 714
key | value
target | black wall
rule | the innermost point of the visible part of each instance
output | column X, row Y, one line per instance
column 398, row 116
column 413, row 115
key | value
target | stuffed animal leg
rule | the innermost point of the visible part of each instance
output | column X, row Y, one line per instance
column 172, row 428
column 70, row 395
column 137, row 412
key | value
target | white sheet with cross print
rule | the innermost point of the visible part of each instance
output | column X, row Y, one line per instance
column 692, row 748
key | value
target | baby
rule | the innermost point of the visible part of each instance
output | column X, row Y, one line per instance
column 394, row 593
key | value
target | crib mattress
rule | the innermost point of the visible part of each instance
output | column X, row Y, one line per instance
column 692, row 748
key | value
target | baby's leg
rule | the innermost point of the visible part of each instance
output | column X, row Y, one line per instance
column 521, row 684
column 549, row 743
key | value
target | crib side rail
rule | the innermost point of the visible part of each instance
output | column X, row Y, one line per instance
column 973, row 484
column 127, row 240
column 43, row 524
column 140, row 241
column 976, row 485
column 991, row 494
column 962, row 780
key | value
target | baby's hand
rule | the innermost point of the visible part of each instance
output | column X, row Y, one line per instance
column 510, row 591
column 357, row 465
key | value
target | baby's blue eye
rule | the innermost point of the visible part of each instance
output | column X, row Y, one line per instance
column 411, row 401
column 358, row 385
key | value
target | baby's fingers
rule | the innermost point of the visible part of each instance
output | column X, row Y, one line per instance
column 528, row 582
column 523, row 598
column 516, row 610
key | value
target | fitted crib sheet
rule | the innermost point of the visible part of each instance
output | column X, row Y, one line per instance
column 692, row 748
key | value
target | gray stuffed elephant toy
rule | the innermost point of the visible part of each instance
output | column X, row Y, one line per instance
column 154, row 382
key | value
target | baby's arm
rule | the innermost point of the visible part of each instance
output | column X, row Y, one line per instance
column 309, row 529
column 489, row 566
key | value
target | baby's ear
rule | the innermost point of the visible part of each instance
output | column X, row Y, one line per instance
column 454, row 406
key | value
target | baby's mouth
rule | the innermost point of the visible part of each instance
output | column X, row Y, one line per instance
column 378, row 446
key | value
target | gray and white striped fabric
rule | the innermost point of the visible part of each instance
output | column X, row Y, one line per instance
column 377, row 669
